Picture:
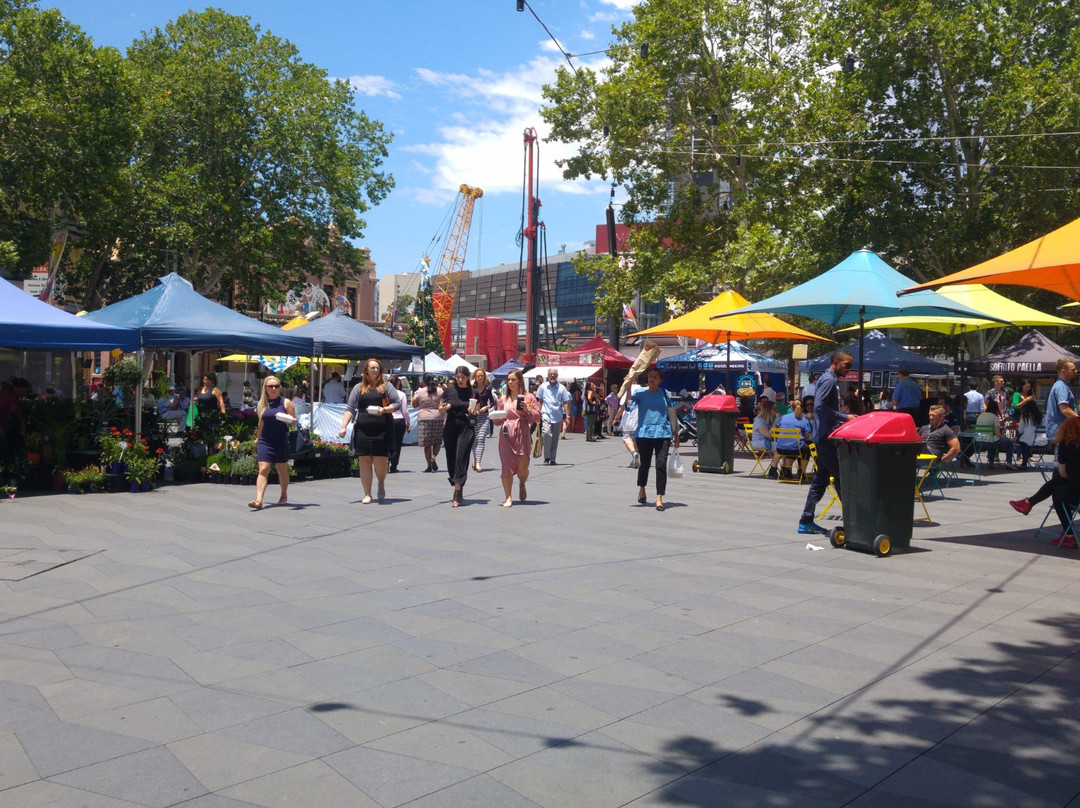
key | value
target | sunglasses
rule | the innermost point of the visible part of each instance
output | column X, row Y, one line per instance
column 272, row 386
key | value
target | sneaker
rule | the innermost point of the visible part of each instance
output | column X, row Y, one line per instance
column 1021, row 505
column 632, row 464
column 809, row 528
column 637, row 460
column 773, row 473
column 1066, row 540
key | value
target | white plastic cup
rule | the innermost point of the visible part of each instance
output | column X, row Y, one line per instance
column 472, row 405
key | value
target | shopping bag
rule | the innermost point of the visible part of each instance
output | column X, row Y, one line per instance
column 674, row 464
column 538, row 442
column 191, row 415
column 299, row 441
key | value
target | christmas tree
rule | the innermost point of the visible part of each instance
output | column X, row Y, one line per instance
column 423, row 330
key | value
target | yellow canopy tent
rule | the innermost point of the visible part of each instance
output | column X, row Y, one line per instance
column 703, row 323
column 1049, row 262
column 698, row 325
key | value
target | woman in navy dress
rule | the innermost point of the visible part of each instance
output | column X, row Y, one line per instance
column 271, row 440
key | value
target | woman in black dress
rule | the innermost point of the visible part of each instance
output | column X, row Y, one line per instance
column 208, row 397
column 371, row 403
column 460, row 430
column 271, row 440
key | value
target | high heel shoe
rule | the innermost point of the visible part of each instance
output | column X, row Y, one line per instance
column 456, row 500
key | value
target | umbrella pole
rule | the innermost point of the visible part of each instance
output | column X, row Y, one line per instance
column 862, row 352
column 727, row 387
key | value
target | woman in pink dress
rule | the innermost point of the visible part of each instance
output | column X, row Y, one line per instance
column 522, row 411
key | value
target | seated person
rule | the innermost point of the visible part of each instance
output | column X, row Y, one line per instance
column 788, row 449
column 761, row 438
column 990, row 418
column 941, row 441
column 174, row 406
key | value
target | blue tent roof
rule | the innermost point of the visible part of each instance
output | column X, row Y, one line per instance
column 26, row 322
column 503, row 370
column 339, row 335
column 715, row 358
column 173, row 315
column 880, row 353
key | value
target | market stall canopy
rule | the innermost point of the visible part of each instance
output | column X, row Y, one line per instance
column 173, row 315
column 714, row 358
column 978, row 297
column 338, row 334
column 567, row 373
column 26, row 322
column 1031, row 355
column 433, row 363
column 1049, row 262
column 881, row 354
column 706, row 324
column 596, row 351
column 503, row 370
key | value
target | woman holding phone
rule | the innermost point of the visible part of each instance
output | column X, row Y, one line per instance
column 515, row 439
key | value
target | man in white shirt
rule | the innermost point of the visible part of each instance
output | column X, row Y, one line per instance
column 975, row 404
column 333, row 392
column 554, row 414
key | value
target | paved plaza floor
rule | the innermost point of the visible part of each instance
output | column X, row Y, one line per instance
column 174, row 649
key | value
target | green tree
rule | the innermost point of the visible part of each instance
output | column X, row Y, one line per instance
column 252, row 167
column 675, row 127
column 423, row 330
column 66, row 132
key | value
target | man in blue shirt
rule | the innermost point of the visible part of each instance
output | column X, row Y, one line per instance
column 906, row 395
column 554, row 411
column 827, row 417
column 1060, row 405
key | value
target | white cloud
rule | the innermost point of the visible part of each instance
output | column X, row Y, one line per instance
column 621, row 5
column 483, row 142
column 374, row 85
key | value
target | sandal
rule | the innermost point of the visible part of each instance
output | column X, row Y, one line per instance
column 283, row 501
column 255, row 505
column 521, row 491
column 456, row 500
column 509, row 502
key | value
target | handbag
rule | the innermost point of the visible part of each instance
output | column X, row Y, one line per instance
column 538, row 443
column 299, row 441
column 674, row 464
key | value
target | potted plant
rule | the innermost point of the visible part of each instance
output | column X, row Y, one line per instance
column 93, row 479
column 73, row 481
column 115, row 444
column 142, row 469
column 8, row 491
column 244, row 468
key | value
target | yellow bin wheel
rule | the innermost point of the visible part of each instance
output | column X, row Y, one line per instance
column 882, row 546
column 725, row 468
column 695, row 467
column 837, row 538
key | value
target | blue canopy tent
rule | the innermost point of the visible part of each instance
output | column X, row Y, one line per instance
column 172, row 315
column 26, row 322
column 503, row 370
column 860, row 287
column 881, row 354
column 684, row 370
column 339, row 335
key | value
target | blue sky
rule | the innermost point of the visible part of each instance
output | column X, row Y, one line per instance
column 457, row 81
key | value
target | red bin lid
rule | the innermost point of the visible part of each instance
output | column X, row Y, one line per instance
column 717, row 403
column 879, row 426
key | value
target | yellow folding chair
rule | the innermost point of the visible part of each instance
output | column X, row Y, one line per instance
column 831, row 489
column 929, row 459
column 757, row 454
column 792, row 433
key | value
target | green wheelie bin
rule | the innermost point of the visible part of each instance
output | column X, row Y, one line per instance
column 877, row 454
column 716, row 416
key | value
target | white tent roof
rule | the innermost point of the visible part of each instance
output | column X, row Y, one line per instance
column 433, row 363
column 567, row 373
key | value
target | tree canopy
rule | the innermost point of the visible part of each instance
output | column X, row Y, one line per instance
column 759, row 142
column 218, row 152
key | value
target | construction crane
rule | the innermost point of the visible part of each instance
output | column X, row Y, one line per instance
column 445, row 284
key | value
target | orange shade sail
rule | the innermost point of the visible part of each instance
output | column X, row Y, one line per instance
column 698, row 324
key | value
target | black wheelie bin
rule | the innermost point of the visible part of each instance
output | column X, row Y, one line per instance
column 716, row 416
column 877, row 454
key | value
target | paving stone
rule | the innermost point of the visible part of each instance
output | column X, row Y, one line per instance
column 218, row 762
column 17, row 768
column 124, row 778
column 57, row 747
column 391, row 779
column 313, row 783
column 157, row 720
